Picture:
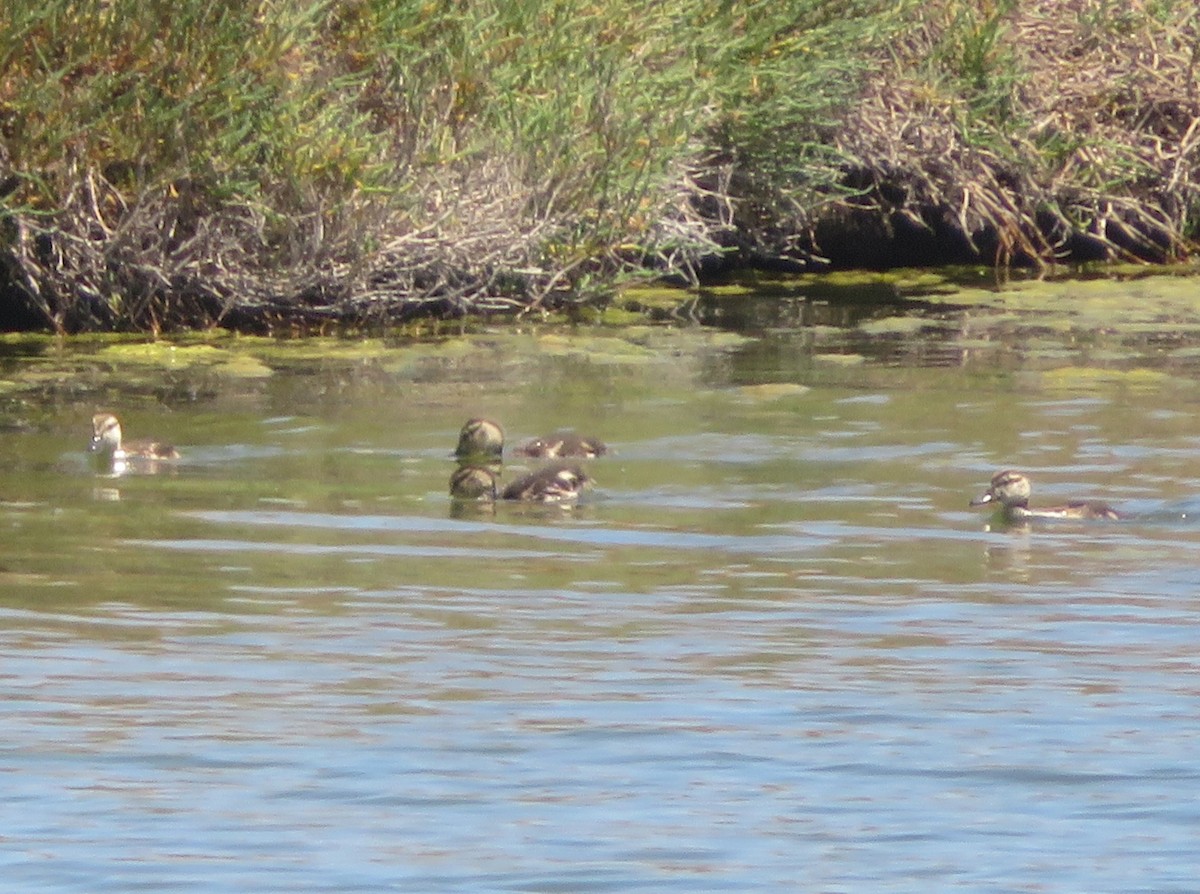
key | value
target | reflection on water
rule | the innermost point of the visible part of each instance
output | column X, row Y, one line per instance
column 773, row 650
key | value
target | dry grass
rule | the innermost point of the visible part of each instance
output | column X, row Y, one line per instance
column 1068, row 130
column 361, row 173
column 167, row 260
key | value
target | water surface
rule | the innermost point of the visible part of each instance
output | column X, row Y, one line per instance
column 773, row 650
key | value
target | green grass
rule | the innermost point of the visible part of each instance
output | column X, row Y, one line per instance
column 162, row 163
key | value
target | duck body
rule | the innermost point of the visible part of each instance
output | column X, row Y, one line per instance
column 109, row 447
column 560, row 483
column 563, row 444
column 473, row 483
column 1011, row 491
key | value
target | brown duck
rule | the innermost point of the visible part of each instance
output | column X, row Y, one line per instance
column 484, row 439
column 558, row 483
column 563, row 444
column 1011, row 490
column 109, row 447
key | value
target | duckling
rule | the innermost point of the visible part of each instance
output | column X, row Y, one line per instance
column 562, row 444
column 480, row 438
column 109, row 448
column 558, row 483
column 1011, row 490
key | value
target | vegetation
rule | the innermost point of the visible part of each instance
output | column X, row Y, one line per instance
column 1034, row 131
column 296, row 164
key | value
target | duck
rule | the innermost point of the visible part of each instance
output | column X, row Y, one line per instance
column 108, row 445
column 563, row 444
column 1011, row 489
column 557, row 483
column 484, row 439
column 480, row 439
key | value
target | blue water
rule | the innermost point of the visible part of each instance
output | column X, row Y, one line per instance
column 774, row 651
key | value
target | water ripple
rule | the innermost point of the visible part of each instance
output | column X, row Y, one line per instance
column 574, row 533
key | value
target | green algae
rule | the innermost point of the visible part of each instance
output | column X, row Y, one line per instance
column 243, row 366
column 1091, row 378
column 840, row 359
column 733, row 290
column 165, row 354
column 123, row 370
column 637, row 299
column 620, row 316
column 894, row 325
column 597, row 349
column 1110, row 299
column 1089, row 333
column 290, row 352
column 169, row 356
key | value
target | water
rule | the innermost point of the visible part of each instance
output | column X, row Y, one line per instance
column 774, row 650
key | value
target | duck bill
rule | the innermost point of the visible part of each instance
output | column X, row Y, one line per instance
column 983, row 499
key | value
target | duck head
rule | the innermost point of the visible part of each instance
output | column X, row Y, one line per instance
column 106, row 435
column 480, row 438
column 1009, row 488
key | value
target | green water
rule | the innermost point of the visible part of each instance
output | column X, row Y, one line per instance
column 772, row 650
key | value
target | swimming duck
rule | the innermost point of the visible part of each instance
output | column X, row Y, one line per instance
column 562, row 444
column 480, row 438
column 559, row 483
column 1011, row 490
column 108, row 446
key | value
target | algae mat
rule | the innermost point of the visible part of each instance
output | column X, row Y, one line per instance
column 1132, row 331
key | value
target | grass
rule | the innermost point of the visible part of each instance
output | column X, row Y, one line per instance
column 293, row 165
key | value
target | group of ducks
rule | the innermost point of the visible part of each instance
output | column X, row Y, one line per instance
column 480, row 451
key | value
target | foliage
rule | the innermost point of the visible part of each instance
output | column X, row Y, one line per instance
column 189, row 163
column 1033, row 131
